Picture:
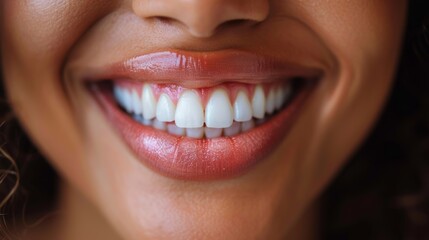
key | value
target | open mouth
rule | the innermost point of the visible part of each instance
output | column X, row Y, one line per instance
column 222, row 111
column 208, row 125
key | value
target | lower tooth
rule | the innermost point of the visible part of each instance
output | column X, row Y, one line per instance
column 260, row 121
column 139, row 118
column 233, row 130
column 195, row 132
column 213, row 132
column 246, row 126
column 175, row 130
column 159, row 125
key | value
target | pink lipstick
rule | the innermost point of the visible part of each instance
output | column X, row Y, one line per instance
column 202, row 115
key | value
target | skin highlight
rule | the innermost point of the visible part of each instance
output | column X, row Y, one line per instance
column 358, row 59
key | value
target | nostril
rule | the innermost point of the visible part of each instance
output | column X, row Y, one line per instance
column 234, row 23
column 203, row 18
column 165, row 20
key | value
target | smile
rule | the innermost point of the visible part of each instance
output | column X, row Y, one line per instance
column 224, row 110
column 202, row 116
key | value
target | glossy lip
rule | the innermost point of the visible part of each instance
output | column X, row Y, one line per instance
column 201, row 159
column 201, row 69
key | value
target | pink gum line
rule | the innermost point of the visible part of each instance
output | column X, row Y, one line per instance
column 174, row 91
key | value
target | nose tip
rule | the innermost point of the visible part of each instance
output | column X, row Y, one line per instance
column 202, row 17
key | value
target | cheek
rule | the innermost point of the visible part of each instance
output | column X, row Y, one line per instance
column 41, row 32
column 37, row 37
column 364, row 38
column 366, row 43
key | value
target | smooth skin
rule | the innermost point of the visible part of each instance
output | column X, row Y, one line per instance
column 108, row 194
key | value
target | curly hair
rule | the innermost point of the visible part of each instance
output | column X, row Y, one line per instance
column 382, row 193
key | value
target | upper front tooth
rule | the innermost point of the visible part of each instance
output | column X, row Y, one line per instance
column 242, row 108
column 165, row 109
column 271, row 102
column 258, row 102
column 137, row 105
column 189, row 111
column 219, row 113
column 148, row 102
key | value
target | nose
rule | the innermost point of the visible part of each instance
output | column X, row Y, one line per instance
column 203, row 17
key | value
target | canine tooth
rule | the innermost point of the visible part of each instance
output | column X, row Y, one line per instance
column 271, row 101
column 137, row 106
column 246, row 126
column 242, row 108
column 219, row 113
column 213, row 132
column 258, row 102
column 148, row 102
column 165, row 109
column 128, row 102
column 175, row 130
column 233, row 130
column 159, row 125
column 195, row 132
column 189, row 111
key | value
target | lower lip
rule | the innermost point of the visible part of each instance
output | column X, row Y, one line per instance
column 201, row 159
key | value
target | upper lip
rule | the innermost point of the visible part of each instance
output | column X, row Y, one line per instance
column 201, row 69
column 201, row 159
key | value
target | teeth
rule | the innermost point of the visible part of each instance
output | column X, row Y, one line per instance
column 242, row 108
column 282, row 95
column 159, row 125
column 165, row 109
column 128, row 102
column 189, row 111
column 271, row 101
column 213, row 132
column 136, row 102
column 148, row 103
column 140, row 119
column 219, row 113
column 233, row 130
column 258, row 102
column 195, row 132
column 175, row 130
column 119, row 96
column 246, row 126
column 188, row 117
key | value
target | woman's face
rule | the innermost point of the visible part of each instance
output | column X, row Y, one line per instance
column 201, row 118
